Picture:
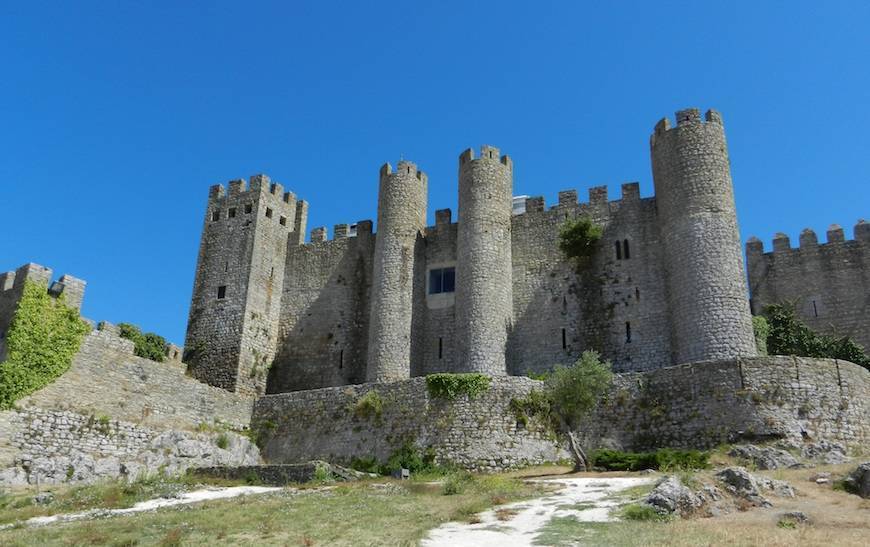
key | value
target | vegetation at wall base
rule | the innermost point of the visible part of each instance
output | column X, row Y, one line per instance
column 449, row 386
column 789, row 336
column 148, row 345
column 762, row 330
column 665, row 459
column 42, row 341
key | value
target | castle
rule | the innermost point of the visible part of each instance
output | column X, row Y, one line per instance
column 492, row 293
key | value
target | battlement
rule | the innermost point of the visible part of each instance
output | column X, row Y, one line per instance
column 71, row 287
column 258, row 184
column 598, row 197
column 686, row 118
column 488, row 153
column 403, row 167
column 809, row 240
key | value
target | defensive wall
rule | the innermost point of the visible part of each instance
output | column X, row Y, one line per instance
column 828, row 282
column 697, row 405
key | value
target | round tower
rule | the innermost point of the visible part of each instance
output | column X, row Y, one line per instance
column 484, row 302
column 706, row 283
column 401, row 219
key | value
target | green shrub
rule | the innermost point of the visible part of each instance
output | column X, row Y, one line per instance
column 574, row 391
column 41, row 342
column 148, row 345
column 366, row 464
column 665, row 459
column 456, row 483
column 322, row 474
column 789, row 336
column 762, row 330
column 647, row 513
column 369, row 406
column 536, row 403
column 449, row 386
column 578, row 238
column 222, row 441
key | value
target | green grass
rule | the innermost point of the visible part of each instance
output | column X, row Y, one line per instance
column 346, row 514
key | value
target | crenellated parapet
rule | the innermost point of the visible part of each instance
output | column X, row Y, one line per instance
column 597, row 202
column 238, row 200
column 809, row 241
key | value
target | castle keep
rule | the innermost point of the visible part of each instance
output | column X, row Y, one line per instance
column 488, row 293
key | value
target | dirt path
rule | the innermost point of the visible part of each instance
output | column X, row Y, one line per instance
column 185, row 498
column 587, row 499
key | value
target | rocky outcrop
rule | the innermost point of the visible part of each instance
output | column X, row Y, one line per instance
column 765, row 457
column 858, row 481
column 742, row 484
column 825, row 452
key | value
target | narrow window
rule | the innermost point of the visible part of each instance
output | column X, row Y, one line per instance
column 625, row 252
column 282, row 221
column 222, row 292
column 226, row 266
column 268, row 212
column 627, row 332
column 231, row 213
column 216, row 215
column 564, row 339
column 248, row 208
column 272, row 273
column 341, row 359
column 440, row 348
column 618, row 251
column 815, row 309
column 637, row 294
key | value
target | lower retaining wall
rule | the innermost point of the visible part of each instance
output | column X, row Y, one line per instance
column 698, row 405
column 701, row 405
column 480, row 433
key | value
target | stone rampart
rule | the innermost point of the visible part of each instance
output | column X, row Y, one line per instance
column 106, row 379
column 478, row 433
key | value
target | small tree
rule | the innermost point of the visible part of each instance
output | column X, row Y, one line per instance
column 578, row 238
column 148, row 345
column 573, row 392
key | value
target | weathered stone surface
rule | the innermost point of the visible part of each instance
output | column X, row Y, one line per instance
column 827, row 452
column 741, row 483
column 765, row 457
column 858, row 481
column 671, row 496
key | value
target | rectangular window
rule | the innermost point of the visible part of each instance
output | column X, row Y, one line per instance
column 232, row 213
column 222, row 292
column 248, row 208
column 442, row 280
column 268, row 212
column 564, row 339
column 282, row 221
column 440, row 347
column 627, row 332
column 216, row 215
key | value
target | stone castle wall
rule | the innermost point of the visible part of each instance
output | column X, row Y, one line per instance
column 106, row 379
column 829, row 283
column 702, row 405
column 480, row 433
column 698, row 405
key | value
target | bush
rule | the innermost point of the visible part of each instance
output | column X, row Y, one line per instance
column 456, row 483
column 789, row 336
column 665, row 459
column 366, row 464
column 41, row 342
column 536, row 403
column 222, row 441
column 762, row 330
column 449, row 386
column 322, row 474
column 368, row 406
column 408, row 456
column 148, row 345
column 578, row 238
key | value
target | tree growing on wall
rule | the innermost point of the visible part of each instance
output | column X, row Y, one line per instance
column 148, row 345
column 573, row 392
column 788, row 335
column 579, row 237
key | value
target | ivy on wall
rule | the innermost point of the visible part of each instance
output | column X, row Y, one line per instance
column 41, row 342
column 449, row 386
column 789, row 336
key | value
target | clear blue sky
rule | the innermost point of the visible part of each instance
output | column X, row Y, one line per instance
column 117, row 116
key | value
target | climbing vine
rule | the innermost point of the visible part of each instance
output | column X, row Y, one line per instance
column 41, row 342
column 450, row 386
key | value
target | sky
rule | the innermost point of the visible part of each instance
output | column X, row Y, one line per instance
column 118, row 116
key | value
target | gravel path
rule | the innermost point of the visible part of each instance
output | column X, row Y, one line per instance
column 586, row 499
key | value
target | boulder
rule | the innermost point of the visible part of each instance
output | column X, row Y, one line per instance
column 741, row 483
column 671, row 496
column 858, row 481
column 825, row 452
column 765, row 457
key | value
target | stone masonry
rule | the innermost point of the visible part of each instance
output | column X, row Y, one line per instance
column 829, row 283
